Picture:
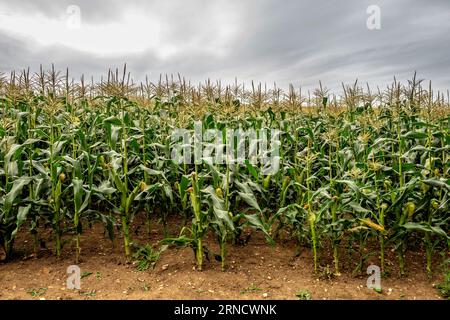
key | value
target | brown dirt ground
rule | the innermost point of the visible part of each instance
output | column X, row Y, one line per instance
column 254, row 271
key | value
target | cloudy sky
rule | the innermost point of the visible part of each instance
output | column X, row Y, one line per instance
column 299, row 42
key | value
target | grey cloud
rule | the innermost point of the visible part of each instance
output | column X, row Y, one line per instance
column 284, row 42
column 93, row 12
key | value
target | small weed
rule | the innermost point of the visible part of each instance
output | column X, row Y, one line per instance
column 304, row 295
column 37, row 292
column 147, row 257
column 146, row 287
column 251, row 288
column 377, row 290
column 326, row 273
column 91, row 293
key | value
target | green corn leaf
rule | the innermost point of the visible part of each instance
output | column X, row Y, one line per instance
column 21, row 218
column 15, row 192
column 425, row 228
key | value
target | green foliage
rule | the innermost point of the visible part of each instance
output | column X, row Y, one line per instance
column 37, row 292
column 147, row 257
column 355, row 169
column 251, row 288
column 444, row 286
column 304, row 295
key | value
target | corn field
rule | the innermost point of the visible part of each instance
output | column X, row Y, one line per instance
column 364, row 171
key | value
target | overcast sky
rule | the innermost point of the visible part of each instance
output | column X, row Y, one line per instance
column 299, row 42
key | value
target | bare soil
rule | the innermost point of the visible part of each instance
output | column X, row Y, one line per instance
column 254, row 271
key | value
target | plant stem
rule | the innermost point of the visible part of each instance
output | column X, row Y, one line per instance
column 126, row 237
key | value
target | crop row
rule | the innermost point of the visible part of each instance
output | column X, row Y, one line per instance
column 363, row 167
